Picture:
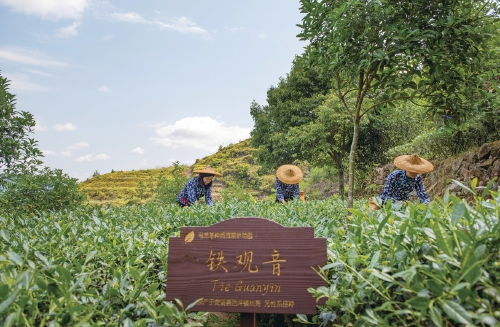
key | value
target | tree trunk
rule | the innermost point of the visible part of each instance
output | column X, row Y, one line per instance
column 352, row 158
column 340, row 168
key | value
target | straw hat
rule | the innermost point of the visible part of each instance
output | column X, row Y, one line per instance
column 289, row 174
column 207, row 170
column 413, row 163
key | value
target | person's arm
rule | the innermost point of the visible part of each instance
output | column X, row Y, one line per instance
column 279, row 191
column 208, row 196
column 419, row 187
column 296, row 191
column 388, row 188
column 191, row 190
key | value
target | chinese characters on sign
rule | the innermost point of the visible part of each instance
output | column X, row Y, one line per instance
column 215, row 261
column 246, row 265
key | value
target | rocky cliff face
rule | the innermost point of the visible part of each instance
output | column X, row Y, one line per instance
column 482, row 163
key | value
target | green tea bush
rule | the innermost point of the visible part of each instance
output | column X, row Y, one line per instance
column 45, row 190
column 436, row 265
column 236, row 192
column 107, row 266
column 168, row 187
column 446, row 140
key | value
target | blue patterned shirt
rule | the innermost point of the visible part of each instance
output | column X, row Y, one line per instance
column 286, row 191
column 192, row 192
column 398, row 187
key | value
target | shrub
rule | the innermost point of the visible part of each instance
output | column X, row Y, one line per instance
column 433, row 265
column 168, row 188
column 45, row 190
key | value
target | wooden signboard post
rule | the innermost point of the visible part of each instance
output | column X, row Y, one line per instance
column 247, row 265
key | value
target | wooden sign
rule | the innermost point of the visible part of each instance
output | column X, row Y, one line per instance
column 246, row 265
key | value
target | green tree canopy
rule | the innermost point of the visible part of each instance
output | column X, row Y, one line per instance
column 325, row 140
column 18, row 151
column 291, row 104
column 438, row 54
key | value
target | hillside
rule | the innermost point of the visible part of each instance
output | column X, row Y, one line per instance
column 124, row 187
column 243, row 178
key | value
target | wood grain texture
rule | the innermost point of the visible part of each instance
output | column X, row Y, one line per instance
column 246, row 264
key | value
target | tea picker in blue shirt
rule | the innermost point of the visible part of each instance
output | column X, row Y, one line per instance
column 287, row 183
column 198, row 187
column 400, row 183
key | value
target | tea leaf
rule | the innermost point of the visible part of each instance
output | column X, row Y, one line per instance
column 464, row 237
column 11, row 319
column 5, row 304
column 15, row 258
column 375, row 259
column 444, row 241
column 419, row 303
column 435, row 287
column 458, row 213
column 5, row 235
column 383, row 222
column 463, row 186
column 470, row 267
column 381, row 275
column 90, row 256
column 436, row 316
column 456, row 312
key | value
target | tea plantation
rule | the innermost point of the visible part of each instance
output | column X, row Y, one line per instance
column 435, row 265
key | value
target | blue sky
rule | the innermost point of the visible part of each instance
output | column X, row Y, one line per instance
column 122, row 85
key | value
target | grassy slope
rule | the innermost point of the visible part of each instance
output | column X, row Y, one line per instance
column 121, row 187
column 242, row 178
column 235, row 162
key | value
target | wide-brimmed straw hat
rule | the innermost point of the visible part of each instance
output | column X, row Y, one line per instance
column 207, row 170
column 413, row 163
column 289, row 174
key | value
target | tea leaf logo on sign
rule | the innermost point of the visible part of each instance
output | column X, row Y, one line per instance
column 189, row 237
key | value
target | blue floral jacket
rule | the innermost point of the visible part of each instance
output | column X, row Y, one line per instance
column 286, row 191
column 398, row 187
column 192, row 192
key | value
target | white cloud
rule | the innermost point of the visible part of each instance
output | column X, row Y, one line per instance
column 50, row 9
column 236, row 29
column 202, row 133
column 90, row 158
column 262, row 36
column 40, row 128
column 68, row 31
column 185, row 25
column 53, row 153
column 48, row 153
column 64, row 127
column 138, row 150
column 104, row 89
column 66, row 153
column 130, row 17
column 37, row 72
column 102, row 157
column 27, row 56
column 22, row 82
column 86, row 158
column 78, row 146
column 181, row 24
